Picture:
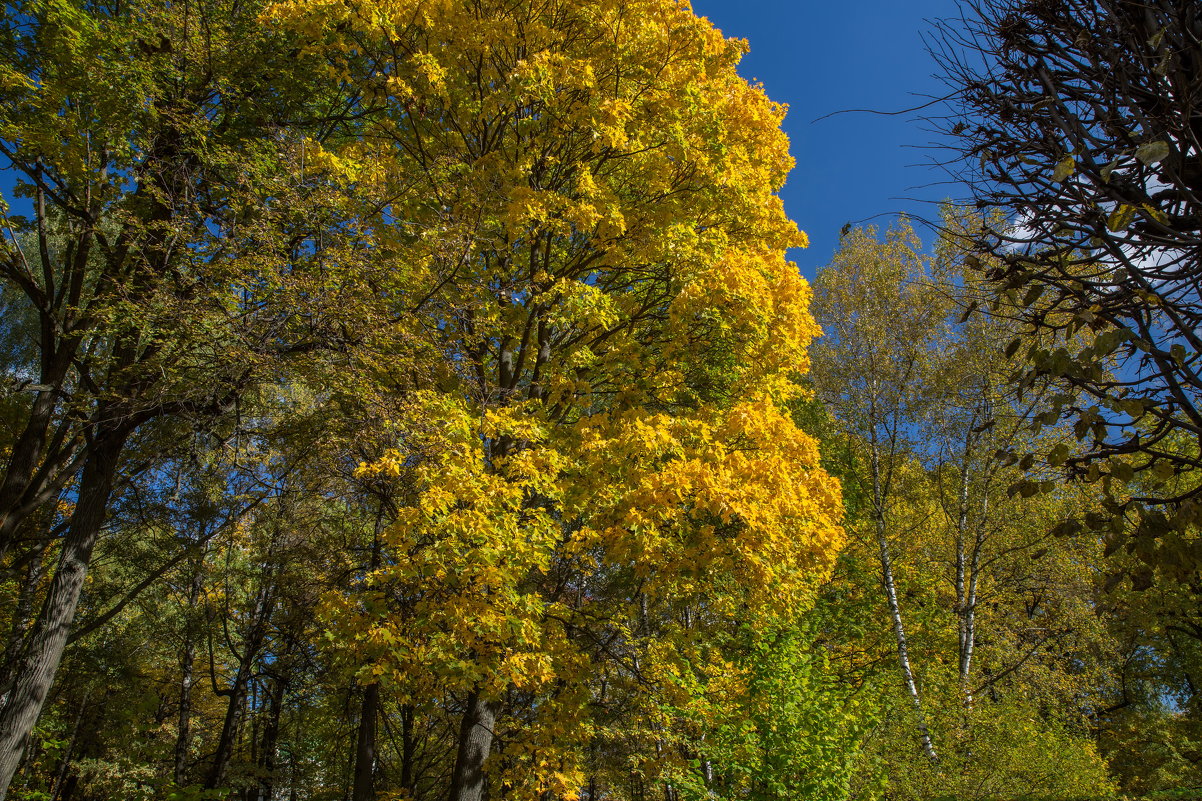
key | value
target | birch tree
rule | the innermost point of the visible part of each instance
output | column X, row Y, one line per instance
column 883, row 321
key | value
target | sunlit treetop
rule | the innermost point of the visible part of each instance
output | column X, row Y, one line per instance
column 589, row 190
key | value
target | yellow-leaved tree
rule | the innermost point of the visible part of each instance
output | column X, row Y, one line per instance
column 584, row 194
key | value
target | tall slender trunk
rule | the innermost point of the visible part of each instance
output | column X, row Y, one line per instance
column 970, row 628
column 475, row 741
column 187, row 664
column 237, row 693
column 408, row 749
column 271, row 737
column 887, row 580
column 364, row 787
column 364, row 780
column 970, row 539
column 964, row 577
column 229, row 728
column 43, row 648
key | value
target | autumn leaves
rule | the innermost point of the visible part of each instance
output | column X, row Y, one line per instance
column 524, row 264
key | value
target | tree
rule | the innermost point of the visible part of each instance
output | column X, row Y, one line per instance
column 153, row 149
column 1080, row 122
column 588, row 191
column 989, row 618
column 874, row 371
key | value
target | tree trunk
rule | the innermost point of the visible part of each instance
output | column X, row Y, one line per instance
column 408, row 749
column 364, row 787
column 899, row 629
column 271, row 737
column 475, row 741
column 20, row 492
column 43, row 648
column 964, row 576
column 237, row 693
column 970, row 539
column 183, row 738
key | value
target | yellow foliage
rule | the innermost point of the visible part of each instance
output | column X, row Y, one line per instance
column 584, row 197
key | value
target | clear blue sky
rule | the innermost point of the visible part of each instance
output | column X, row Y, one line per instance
column 821, row 57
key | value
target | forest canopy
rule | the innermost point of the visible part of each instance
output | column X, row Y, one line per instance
column 415, row 400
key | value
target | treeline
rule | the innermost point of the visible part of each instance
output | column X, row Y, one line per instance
column 396, row 404
column 413, row 400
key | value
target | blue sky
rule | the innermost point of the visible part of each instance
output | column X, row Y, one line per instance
column 822, row 57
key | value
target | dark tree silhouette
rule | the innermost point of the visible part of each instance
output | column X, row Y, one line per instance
column 1081, row 121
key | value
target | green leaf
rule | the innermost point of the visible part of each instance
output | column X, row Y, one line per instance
column 1164, row 470
column 1122, row 471
column 1133, row 406
column 1067, row 528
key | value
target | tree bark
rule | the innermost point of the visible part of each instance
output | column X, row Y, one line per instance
column 965, row 578
column 364, row 779
column 237, row 692
column 271, row 737
column 899, row 629
column 408, row 749
column 475, row 741
column 43, row 648
column 364, row 787
column 183, row 738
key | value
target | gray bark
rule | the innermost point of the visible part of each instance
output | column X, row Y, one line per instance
column 468, row 781
column 43, row 648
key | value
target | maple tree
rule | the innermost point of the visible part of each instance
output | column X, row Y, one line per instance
column 591, row 203
column 413, row 400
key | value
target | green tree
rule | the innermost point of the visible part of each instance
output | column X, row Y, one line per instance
column 153, row 147
column 999, row 631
